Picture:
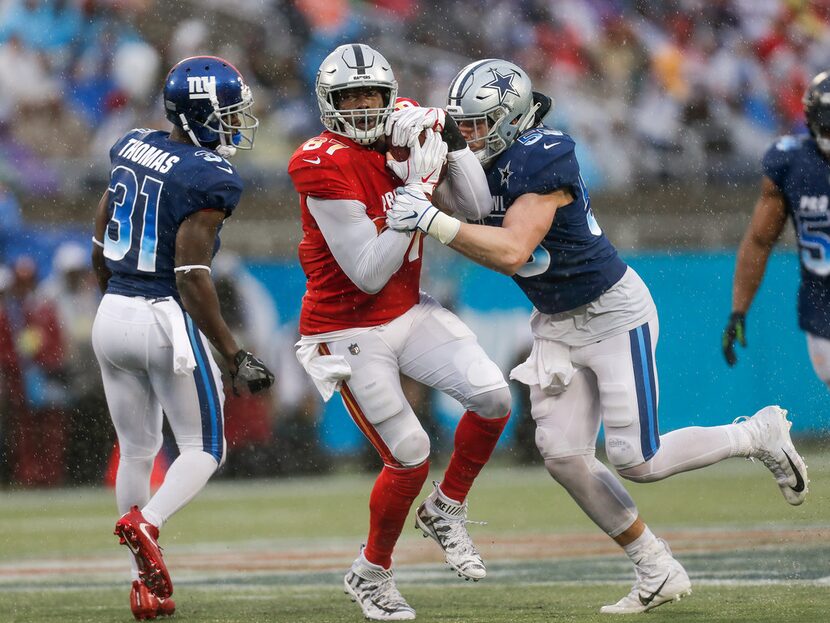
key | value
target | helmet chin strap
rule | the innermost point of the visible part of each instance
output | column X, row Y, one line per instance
column 186, row 128
column 226, row 151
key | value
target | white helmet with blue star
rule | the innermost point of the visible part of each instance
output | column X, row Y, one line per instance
column 496, row 98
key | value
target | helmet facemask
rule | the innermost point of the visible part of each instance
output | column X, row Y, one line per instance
column 363, row 125
column 227, row 128
column 817, row 110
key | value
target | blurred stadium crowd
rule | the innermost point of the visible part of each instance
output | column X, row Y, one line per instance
column 54, row 426
column 695, row 88
column 712, row 80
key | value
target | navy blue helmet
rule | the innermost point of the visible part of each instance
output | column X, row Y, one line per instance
column 207, row 98
column 817, row 110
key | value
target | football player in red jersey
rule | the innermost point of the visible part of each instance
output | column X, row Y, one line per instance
column 364, row 321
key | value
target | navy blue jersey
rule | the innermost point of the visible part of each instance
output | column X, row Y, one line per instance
column 575, row 263
column 155, row 184
column 797, row 167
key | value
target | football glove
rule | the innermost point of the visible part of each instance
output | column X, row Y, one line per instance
column 422, row 169
column 452, row 135
column 403, row 125
column 735, row 331
column 412, row 210
column 251, row 373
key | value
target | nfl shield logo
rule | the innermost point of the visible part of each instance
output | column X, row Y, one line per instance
column 354, row 349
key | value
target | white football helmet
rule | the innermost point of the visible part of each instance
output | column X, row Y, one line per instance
column 350, row 66
column 496, row 92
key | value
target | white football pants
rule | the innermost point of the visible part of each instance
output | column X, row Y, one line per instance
column 431, row 345
column 136, row 360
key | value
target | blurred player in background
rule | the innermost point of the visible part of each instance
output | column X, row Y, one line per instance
column 795, row 185
column 595, row 327
column 156, row 231
column 364, row 322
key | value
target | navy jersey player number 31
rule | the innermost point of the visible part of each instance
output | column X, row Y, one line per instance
column 156, row 231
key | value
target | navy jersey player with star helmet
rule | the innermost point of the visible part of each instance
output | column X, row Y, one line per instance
column 594, row 323
column 156, row 232
column 795, row 186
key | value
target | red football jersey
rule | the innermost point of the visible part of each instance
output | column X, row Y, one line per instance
column 331, row 166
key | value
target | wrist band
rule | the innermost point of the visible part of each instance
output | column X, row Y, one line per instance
column 187, row 269
column 443, row 227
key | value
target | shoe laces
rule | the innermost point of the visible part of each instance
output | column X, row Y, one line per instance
column 456, row 536
column 385, row 593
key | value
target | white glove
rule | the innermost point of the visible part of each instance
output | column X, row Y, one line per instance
column 423, row 168
column 405, row 124
column 412, row 210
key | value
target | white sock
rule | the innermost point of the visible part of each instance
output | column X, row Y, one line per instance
column 740, row 439
column 643, row 547
column 685, row 449
column 187, row 475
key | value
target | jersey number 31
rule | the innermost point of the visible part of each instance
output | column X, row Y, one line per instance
column 123, row 229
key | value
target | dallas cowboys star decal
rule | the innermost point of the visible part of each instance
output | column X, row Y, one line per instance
column 502, row 83
column 505, row 174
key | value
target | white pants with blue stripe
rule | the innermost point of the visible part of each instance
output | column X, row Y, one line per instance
column 136, row 363
column 615, row 384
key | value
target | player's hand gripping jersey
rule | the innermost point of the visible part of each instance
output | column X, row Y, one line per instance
column 575, row 262
column 802, row 174
column 151, row 193
column 332, row 167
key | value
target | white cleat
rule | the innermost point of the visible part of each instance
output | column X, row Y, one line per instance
column 446, row 522
column 373, row 588
column 661, row 581
column 769, row 430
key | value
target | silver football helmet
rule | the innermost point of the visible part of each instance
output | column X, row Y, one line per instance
column 352, row 66
column 496, row 95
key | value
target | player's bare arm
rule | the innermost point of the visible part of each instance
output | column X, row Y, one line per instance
column 102, row 273
column 768, row 220
column 507, row 248
column 194, row 248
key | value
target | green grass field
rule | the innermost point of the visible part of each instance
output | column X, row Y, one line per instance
column 277, row 550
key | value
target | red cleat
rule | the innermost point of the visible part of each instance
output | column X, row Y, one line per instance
column 147, row 606
column 142, row 538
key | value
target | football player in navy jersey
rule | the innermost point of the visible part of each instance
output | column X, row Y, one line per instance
column 795, row 185
column 594, row 324
column 156, row 232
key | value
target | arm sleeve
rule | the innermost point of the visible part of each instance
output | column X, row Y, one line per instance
column 369, row 259
column 465, row 190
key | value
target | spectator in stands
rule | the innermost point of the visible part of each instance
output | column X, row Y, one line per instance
column 38, row 434
column 72, row 291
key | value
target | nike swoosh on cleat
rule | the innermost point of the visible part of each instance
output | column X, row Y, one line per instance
column 647, row 599
column 799, row 480
column 131, row 547
column 143, row 528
